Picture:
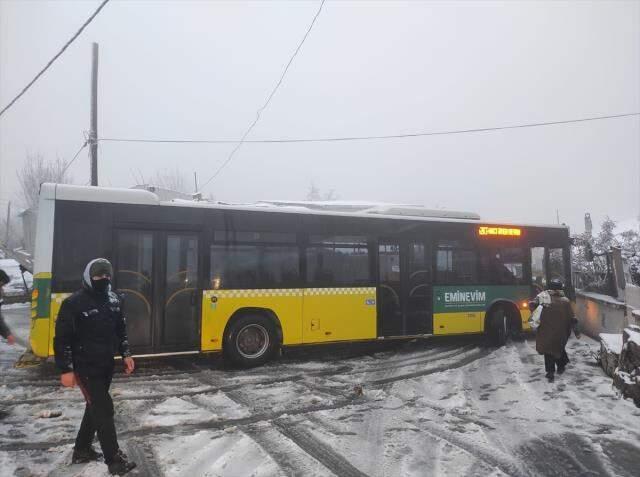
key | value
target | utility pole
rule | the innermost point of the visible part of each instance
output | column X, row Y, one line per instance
column 6, row 235
column 195, row 179
column 93, row 133
column 558, row 216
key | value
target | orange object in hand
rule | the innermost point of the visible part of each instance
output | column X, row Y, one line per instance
column 68, row 380
column 129, row 365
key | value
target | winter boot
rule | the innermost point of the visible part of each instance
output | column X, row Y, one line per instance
column 120, row 465
column 82, row 456
column 549, row 377
column 561, row 369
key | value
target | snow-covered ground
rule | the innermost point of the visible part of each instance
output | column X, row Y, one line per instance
column 439, row 407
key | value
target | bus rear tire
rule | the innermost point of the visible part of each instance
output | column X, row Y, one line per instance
column 498, row 331
column 251, row 340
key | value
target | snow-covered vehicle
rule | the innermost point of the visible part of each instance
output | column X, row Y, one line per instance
column 247, row 280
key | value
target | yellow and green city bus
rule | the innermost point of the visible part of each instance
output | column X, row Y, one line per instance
column 247, row 280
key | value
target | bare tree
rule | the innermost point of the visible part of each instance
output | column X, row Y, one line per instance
column 34, row 172
column 314, row 194
column 172, row 179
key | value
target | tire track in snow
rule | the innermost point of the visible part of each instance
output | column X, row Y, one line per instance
column 323, row 453
column 273, row 447
column 142, row 454
column 270, row 439
column 221, row 424
column 467, row 359
column 561, row 456
column 490, row 456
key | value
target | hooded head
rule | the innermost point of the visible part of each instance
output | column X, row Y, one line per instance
column 556, row 284
column 101, row 269
column 4, row 278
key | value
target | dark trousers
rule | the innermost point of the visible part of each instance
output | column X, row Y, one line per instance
column 550, row 362
column 98, row 414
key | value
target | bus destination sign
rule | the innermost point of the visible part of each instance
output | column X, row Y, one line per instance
column 485, row 231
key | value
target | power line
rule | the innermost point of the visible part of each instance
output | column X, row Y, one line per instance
column 66, row 45
column 74, row 157
column 365, row 138
column 264, row 106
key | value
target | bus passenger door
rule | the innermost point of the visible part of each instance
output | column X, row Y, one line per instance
column 419, row 296
column 180, row 316
column 390, row 304
column 134, row 277
column 158, row 274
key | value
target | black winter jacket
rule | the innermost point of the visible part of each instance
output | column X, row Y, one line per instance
column 4, row 329
column 90, row 329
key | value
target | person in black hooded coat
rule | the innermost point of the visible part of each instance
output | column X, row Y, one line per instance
column 90, row 328
column 5, row 331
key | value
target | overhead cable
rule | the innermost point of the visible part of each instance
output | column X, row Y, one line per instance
column 264, row 106
column 74, row 157
column 66, row 45
column 363, row 138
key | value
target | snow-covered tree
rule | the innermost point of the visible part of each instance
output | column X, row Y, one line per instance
column 630, row 243
column 606, row 238
column 589, row 258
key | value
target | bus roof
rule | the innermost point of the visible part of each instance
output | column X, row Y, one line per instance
column 67, row 192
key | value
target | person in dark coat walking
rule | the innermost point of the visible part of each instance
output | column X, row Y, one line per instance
column 5, row 332
column 556, row 322
column 90, row 328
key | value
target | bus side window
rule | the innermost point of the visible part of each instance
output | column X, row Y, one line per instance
column 337, row 261
column 456, row 264
column 538, row 275
column 503, row 266
column 246, row 260
column 556, row 264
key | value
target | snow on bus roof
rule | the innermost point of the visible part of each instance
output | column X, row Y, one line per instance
column 332, row 208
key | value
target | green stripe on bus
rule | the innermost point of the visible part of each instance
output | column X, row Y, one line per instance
column 43, row 302
column 451, row 299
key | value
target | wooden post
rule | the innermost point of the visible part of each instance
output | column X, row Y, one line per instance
column 93, row 133
column 6, row 235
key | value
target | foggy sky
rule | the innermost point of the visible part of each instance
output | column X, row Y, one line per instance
column 200, row 70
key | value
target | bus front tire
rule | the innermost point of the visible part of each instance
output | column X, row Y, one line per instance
column 251, row 340
column 498, row 327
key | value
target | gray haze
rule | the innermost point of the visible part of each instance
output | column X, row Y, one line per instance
column 201, row 69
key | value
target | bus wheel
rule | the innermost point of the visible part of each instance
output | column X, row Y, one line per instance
column 498, row 327
column 251, row 340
